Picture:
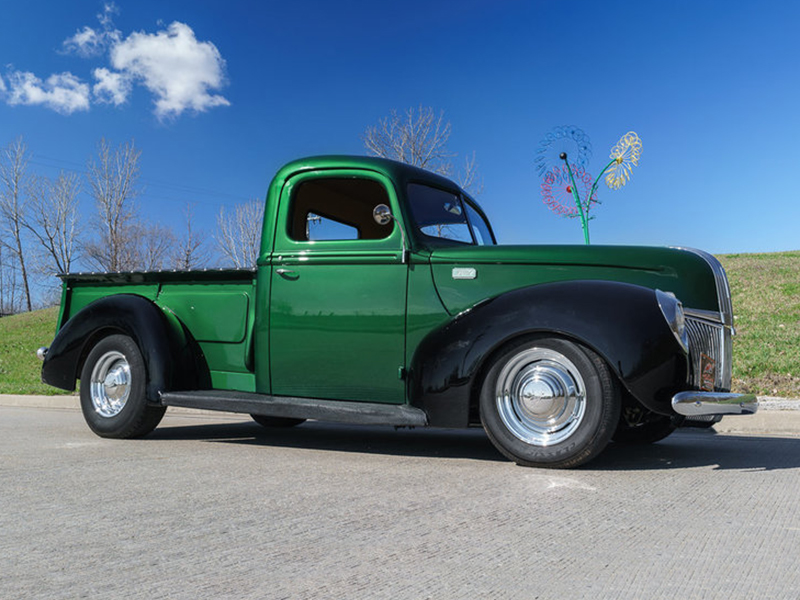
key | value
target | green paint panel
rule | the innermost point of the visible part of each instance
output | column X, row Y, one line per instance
column 500, row 269
column 213, row 313
column 219, row 317
column 225, row 357
column 260, row 332
column 337, row 332
column 425, row 309
column 240, row 382
column 81, row 295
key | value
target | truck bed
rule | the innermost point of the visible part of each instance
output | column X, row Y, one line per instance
column 215, row 306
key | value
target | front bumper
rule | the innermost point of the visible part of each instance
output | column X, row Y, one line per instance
column 693, row 404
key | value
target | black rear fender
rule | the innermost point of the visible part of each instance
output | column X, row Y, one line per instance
column 172, row 357
column 621, row 322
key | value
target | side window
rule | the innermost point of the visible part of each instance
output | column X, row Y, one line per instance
column 337, row 209
column 439, row 213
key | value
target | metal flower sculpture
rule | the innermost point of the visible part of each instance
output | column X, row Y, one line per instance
column 561, row 160
column 626, row 156
column 557, row 190
column 570, row 140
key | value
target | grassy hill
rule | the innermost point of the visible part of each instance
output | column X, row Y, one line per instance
column 20, row 336
column 766, row 304
column 766, row 349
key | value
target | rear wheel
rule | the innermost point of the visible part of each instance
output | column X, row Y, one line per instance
column 548, row 402
column 276, row 421
column 113, row 398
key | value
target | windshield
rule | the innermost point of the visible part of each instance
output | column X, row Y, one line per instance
column 445, row 216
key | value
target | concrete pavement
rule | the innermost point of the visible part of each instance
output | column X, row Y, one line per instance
column 219, row 507
column 777, row 416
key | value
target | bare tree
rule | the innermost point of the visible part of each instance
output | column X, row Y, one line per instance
column 113, row 177
column 8, row 283
column 12, row 294
column 13, row 161
column 418, row 137
column 191, row 251
column 153, row 243
column 468, row 178
column 53, row 218
column 3, row 284
column 239, row 234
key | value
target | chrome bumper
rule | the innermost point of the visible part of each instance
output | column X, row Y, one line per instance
column 693, row 404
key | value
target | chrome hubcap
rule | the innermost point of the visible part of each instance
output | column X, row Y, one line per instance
column 110, row 384
column 541, row 396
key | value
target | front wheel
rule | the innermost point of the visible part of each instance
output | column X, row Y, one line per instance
column 113, row 398
column 548, row 402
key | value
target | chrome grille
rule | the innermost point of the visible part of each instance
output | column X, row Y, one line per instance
column 711, row 332
column 713, row 340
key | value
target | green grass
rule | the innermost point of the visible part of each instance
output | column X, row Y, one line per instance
column 766, row 302
column 20, row 336
column 766, row 349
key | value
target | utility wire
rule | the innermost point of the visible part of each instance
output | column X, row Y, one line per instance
column 181, row 188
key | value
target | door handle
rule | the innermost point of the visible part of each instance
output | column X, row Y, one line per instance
column 287, row 273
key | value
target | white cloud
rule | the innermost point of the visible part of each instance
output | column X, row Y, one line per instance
column 88, row 42
column 181, row 72
column 175, row 67
column 63, row 92
column 109, row 8
column 111, row 88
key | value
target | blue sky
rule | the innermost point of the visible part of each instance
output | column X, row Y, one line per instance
column 218, row 96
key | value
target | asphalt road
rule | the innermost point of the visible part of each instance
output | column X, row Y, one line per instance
column 218, row 507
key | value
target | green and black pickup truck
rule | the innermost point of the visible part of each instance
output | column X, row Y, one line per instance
column 380, row 296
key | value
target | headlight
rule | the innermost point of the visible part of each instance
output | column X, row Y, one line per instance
column 672, row 309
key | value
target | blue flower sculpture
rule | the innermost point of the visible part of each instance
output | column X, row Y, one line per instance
column 570, row 140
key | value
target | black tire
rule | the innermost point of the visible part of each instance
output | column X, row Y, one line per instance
column 113, row 382
column 276, row 421
column 548, row 402
column 641, row 426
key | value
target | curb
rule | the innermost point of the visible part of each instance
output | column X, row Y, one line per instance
column 775, row 416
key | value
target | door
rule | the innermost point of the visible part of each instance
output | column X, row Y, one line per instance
column 338, row 293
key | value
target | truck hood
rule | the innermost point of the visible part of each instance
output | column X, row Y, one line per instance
column 466, row 275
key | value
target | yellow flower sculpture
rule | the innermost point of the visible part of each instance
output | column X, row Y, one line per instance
column 626, row 155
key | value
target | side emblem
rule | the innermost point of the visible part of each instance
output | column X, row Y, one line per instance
column 464, row 273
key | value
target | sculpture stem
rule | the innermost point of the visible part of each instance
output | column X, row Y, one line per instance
column 577, row 198
column 596, row 181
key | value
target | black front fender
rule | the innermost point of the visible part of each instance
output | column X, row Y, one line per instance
column 169, row 353
column 621, row 322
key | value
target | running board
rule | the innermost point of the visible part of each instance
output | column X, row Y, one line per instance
column 341, row 411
